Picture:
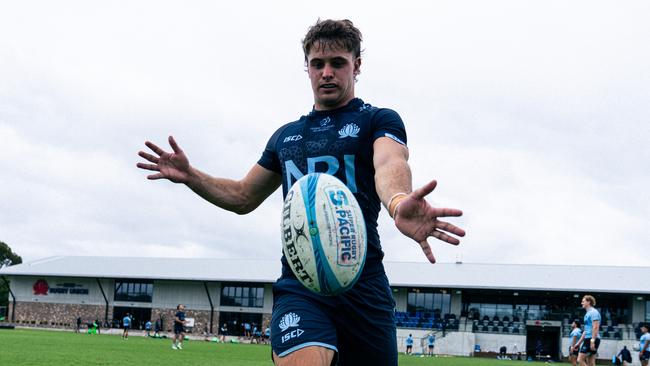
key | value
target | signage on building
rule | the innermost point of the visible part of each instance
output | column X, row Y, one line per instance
column 41, row 287
column 544, row 323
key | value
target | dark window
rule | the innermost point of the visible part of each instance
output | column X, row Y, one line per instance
column 134, row 290
column 241, row 294
column 427, row 300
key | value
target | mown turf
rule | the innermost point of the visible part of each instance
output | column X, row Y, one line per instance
column 52, row 348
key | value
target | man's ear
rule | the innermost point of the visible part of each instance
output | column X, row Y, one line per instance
column 357, row 66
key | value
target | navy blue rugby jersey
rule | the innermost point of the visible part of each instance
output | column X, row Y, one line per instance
column 340, row 143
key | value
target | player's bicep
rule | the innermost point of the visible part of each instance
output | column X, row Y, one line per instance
column 386, row 150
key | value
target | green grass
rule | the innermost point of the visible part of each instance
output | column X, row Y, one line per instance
column 50, row 348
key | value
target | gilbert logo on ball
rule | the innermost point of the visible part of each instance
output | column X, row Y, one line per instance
column 323, row 234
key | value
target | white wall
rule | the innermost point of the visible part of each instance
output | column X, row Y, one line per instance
column 23, row 288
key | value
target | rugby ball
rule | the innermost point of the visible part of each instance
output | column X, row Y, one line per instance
column 323, row 234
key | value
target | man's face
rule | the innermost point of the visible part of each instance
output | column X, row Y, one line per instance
column 332, row 71
column 584, row 303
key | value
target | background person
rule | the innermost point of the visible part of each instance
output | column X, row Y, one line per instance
column 625, row 356
column 644, row 345
column 574, row 337
column 409, row 344
column 126, row 325
column 590, row 340
column 179, row 327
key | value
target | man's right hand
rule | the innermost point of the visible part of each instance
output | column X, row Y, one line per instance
column 173, row 166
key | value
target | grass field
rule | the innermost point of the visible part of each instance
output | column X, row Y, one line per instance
column 51, row 348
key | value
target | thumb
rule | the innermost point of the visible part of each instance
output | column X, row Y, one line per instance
column 425, row 190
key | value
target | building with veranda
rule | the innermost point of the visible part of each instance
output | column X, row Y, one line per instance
column 471, row 308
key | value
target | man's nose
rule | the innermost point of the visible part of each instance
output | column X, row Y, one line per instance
column 328, row 71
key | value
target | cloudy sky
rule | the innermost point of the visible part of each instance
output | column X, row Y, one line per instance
column 532, row 115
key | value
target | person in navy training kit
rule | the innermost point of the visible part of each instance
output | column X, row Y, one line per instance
column 644, row 345
column 589, row 340
column 574, row 336
column 363, row 146
column 179, row 327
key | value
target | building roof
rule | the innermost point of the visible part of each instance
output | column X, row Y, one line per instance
column 401, row 274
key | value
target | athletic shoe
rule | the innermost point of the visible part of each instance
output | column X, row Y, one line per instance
column 180, row 346
column 174, row 347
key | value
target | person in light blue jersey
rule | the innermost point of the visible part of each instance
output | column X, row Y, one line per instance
column 365, row 147
column 409, row 344
column 644, row 345
column 126, row 325
column 432, row 341
column 574, row 337
column 590, row 340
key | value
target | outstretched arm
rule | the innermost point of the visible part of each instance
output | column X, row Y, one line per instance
column 414, row 216
column 241, row 196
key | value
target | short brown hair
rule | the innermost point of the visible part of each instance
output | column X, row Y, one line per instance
column 333, row 34
column 590, row 299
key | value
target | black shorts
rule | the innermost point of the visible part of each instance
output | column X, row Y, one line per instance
column 644, row 356
column 178, row 329
column 586, row 346
column 126, row 327
column 431, row 346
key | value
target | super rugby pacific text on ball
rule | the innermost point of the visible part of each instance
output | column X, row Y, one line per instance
column 323, row 234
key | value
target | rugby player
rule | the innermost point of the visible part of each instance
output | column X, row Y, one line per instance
column 365, row 147
column 589, row 340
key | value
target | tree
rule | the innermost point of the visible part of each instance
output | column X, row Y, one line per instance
column 7, row 258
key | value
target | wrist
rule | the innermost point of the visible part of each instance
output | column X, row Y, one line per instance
column 394, row 202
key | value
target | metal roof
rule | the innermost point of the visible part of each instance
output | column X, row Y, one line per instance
column 401, row 274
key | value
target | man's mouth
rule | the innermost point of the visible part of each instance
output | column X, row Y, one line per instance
column 328, row 86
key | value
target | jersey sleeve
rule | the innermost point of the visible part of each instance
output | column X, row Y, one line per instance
column 269, row 158
column 389, row 124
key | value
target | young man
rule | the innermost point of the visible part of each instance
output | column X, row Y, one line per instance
column 644, row 345
column 179, row 327
column 574, row 336
column 364, row 147
column 126, row 324
column 409, row 344
column 432, row 341
column 589, row 341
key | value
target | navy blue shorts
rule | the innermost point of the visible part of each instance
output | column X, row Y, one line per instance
column 586, row 346
column 178, row 329
column 358, row 325
column 644, row 356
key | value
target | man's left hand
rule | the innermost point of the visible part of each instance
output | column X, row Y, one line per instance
column 417, row 219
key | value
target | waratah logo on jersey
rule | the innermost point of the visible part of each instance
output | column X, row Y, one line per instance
column 289, row 320
column 349, row 130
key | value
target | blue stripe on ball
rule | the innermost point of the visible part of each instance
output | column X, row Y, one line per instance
column 329, row 284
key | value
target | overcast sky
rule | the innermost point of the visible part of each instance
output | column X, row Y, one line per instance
column 532, row 115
